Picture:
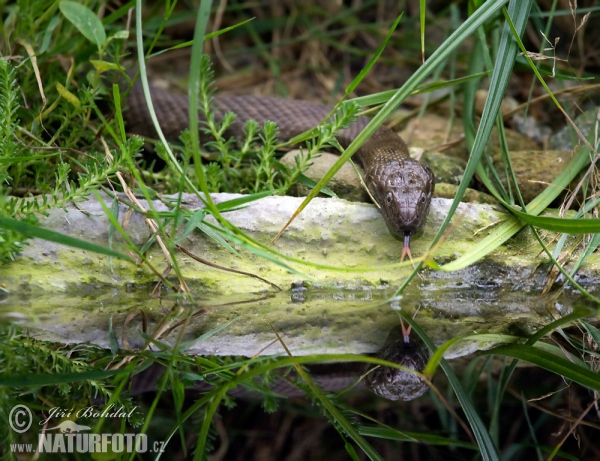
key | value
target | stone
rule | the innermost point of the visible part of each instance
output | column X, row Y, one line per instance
column 345, row 183
column 534, row 169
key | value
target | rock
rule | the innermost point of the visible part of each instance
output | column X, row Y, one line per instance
column 343, row 249
column 532, row 128
column 447, row 169
column 431, row 132
column 345, row 183
column 506, row 105
column 515, row 141
column 567, row 139
column 448, row 191
column 534, row 169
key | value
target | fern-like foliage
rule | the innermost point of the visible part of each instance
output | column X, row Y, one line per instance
column 20, row 355
column 250, row 165
column 37, row 176
column 10, row 241
column 9, row 105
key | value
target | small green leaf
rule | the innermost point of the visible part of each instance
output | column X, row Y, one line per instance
column 121, row 35
column 103, row 66
column 191, row 225
column 74, row 100
column 351, row 451
column 48, row 34
column 306, row 181
column 85, row 20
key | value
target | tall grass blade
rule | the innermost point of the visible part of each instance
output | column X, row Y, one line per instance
column 39, row 232
column 485, row 12
column 551, row 362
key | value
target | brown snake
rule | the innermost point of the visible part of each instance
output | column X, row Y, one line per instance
column 401, row 186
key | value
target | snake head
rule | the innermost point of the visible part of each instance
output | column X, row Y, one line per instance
column 394, row 383
column 404, row 192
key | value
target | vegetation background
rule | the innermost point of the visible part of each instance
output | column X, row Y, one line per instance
column 61, row 137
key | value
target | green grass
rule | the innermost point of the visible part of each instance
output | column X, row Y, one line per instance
column 71, row 142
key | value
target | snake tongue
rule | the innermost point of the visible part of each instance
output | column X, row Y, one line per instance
column 405, row 332
column 406, row 247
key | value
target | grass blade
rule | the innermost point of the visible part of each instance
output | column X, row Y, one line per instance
column 513, row 225
column 39, row 232
column 485, row 444
column 550, row 362
column 485, row 12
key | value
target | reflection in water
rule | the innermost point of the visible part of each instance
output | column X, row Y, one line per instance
column 317, row 320
column 385, row 382
column 393, row 383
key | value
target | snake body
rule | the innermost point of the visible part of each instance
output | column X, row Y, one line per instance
column 401, row 186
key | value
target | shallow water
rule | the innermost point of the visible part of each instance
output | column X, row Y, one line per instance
column 311, row 319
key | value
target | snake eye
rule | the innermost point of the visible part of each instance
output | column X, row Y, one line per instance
column 388, row 375
column 423, row 199
column 388, row 197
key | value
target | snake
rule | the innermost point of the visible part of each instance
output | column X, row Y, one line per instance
column 395, row 383
column 387, row 382
column 402, row 187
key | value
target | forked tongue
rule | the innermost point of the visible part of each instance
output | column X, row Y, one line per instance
column 406, row 247
column 405, row 331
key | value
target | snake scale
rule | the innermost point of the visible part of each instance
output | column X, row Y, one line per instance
column 401, row 186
